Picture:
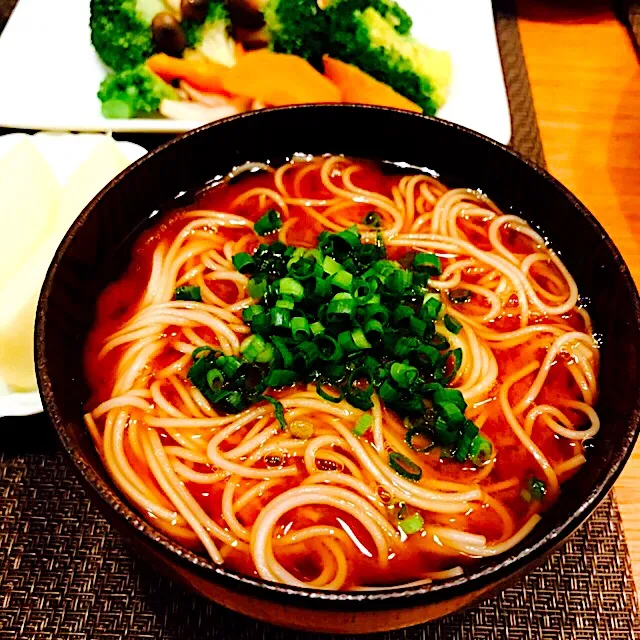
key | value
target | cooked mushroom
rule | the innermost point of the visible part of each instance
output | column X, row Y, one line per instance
column 247, row 13
column 168, row 36
column 195, row 10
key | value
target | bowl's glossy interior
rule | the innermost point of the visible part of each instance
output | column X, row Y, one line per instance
column 96, row 251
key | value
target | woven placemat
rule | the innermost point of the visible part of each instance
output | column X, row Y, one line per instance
column 64, row 574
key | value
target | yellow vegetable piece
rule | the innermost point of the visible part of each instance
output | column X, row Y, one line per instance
column 19, row 293
column 29, row 196
column 104, row 163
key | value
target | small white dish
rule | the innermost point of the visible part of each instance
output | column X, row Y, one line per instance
column 64, row 152
column 56, row 88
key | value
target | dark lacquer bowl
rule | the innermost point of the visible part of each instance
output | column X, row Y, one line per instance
column 96, row 250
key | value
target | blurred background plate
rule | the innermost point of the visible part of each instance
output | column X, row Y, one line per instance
column 54, row 86
column 64, row 152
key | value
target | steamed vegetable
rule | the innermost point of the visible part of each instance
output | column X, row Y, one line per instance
column 278, row 79
column 168, row 35
column 302, row 27
column 212, row 36
column 368, row 40
column 121, row 31
column 133, row 92
column 205, row 76
column 358, row 86
column 298, row 27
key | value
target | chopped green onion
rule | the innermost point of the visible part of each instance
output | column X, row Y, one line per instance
column 359, row 399
column 285, row 357
column 280, row 378
column 452, row 324
column 316, row 328
column 398, row 280
column 308, row 352
column 345, row 340
column 278, row 410
column 469, row 432
column 280, row 318
column 291, row 287
column 257, row 286
column 303, row 331
column 363, row 290
column 363, row 425
column 255, row 349
column 427, row 262
column 189, row 293
column 329, row 348
column 451, row 412
column 201, row 352
column 329, row 396
column 403, row 374
column 317, row 289
column 443, row 395
column 215, row 379
column 401, row 313
column 359, row 339
column 404, row 466
column 388, row 393
column 535, row 490
column 251, row 312
column 285, row 303
column 373, row 331
column 480, row 450
column 261, row 323
column 229, row 366
column 432, row 306
column 342, row 280
column 300, row 328
column 341, row 307
column 244, row 263
column 415, row 435
column 376, row 312
column 331, row 266
column 268, row 223
column 412, row 524
column 373, row 219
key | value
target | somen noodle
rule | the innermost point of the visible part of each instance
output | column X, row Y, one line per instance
column 350, row 461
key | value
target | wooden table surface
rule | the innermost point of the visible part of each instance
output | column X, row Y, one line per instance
column 585, row 77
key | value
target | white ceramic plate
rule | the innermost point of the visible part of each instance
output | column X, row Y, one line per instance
column 64, row 152
column 54, row 86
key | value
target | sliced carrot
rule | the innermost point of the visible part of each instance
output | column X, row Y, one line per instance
column 205, row 76
column 278, row 79
column 358, row 86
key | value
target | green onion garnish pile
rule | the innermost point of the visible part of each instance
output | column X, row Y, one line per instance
column 344, row 317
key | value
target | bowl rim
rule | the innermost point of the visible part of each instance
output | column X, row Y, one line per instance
column 487, row 573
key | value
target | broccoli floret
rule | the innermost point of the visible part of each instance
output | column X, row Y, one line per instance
column 133, row 92
column 213, row 36
column 121, row 31
column 391, row 11
column 298, row 27
column 302, row 27
column 368, row 40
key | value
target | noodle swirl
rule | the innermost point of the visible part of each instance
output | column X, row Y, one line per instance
column 326, row 510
